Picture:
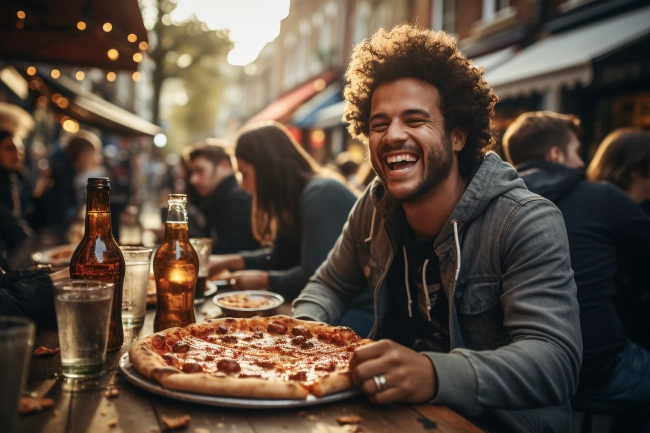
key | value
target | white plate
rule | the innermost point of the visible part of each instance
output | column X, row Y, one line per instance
column 45, row 256
column 134, row 376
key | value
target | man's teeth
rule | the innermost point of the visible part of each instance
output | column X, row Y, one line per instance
column 400, row 158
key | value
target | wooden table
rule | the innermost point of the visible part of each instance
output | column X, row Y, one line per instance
column 82, row 407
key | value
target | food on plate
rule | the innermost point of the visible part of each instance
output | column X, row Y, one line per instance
column 275, row 357
column 42, row 350
column 243, row 301
column 34, row 404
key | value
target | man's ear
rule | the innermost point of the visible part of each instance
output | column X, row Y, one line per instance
column 555, row 154
column 458, row 139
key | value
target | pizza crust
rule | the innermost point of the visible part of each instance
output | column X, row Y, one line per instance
column 152, row 365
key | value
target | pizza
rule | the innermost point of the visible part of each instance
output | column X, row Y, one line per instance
column 243, row 301
column 275, row 357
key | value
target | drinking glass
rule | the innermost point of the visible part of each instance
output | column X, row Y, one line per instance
column 136, row 281
column 83, row 309
column 16, row 341
column 203, row 248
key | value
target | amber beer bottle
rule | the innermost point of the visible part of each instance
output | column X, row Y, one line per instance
column 98, row 257
column 175, row 268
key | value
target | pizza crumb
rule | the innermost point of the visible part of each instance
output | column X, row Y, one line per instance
column 220, row 425
column 112, row 423
column 201, row 430
column 353, row 428
column 112, row 392
column 42, row 350
column 173, row 423
column 55, row 413
column 312, row 417
column 302, row 413
column 32, row 404
column 348, row 419
column 102, row 413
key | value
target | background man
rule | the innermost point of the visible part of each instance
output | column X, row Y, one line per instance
column 468, row 267
column 601, row 221
column 225, row 206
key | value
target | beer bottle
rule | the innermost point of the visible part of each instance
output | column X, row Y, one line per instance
column 175, row 268
column 98, row 257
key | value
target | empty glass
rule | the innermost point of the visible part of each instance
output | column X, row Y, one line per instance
column 16, row 341
column 203, row 248
column 136, row 281
column 83, row 309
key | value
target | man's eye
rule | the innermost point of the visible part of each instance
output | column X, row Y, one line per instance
column 415, row 121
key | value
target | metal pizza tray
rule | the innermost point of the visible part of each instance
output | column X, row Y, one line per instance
column 134, row 376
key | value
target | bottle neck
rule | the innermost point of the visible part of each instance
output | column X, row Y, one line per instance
column 177, row 213
column 98, row 213
column 176, row 225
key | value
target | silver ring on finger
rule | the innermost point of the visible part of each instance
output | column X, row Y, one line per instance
column 380, row 382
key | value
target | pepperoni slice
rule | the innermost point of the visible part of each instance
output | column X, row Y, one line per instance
column 192, row 367
column 222, row 329
column 180, row 347
column 298, row 341
column 276, row 327
column 301, row 330
column 228, row 366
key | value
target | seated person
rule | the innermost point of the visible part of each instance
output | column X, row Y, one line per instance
column 226, row 208
column 297, row 207
column 601, row 221
column 474, row 294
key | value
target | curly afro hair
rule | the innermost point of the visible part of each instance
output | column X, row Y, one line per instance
column 407, row 51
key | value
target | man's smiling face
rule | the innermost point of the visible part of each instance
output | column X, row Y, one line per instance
column 409, row 148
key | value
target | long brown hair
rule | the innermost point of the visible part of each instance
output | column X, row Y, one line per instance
column 282, row 170
column 624, row 152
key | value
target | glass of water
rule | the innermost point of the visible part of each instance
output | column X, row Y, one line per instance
column 16, row 340
column 136, row 281
column 83, row 308
column 203, row 248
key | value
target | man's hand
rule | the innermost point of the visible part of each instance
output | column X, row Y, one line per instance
column 410, row 376
column 250, row 280
column 217, row 264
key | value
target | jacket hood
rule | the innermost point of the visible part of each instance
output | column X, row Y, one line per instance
column 548, row 179
column 493, row 178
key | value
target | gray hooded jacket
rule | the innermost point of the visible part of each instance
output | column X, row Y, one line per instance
column 513, row 315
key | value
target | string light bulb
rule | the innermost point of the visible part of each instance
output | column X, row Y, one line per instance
column 80, row 75
column 21, row 15
column 143, row 46
column 107, row 27
column 55, row 73
column 81, row 25
column 31, row 71
column 136, row 76
column 132, row 37
column 113, row 54
column 137, row 57
column 111, row 76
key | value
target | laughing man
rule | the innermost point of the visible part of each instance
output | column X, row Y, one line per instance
column 475, row 302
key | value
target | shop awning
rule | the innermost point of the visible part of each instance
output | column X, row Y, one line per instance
column 50, row 32
column 89, row 108
column 305, row 116
column 566, row 59
column 285, row 105
column 494, row 60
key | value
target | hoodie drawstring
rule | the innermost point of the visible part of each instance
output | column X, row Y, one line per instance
column 372, row 225
column 455, row 224
column 406, row 281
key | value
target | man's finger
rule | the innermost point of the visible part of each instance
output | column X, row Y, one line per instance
column 368, row 369
column 369, row 351
column 370, row 387
column 388, row 396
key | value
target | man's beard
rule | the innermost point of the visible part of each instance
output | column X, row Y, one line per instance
column 435, row 169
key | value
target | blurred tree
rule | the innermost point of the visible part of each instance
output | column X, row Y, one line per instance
column 191, row 52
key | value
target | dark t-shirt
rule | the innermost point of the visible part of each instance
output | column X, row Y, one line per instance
column 418, row 330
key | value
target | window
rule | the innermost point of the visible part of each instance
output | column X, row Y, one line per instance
column 444, row 15
column 491, row 8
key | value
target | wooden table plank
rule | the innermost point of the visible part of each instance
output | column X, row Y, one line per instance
column 207, row 419
column 446, row 420
column 375, row 418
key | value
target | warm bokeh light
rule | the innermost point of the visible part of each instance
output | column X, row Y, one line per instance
column 34, row 84
column 111, row 76
column 113, row 54
column 136, row 76
column 63, row 102
column 41, row 102
column 70, row 125
column 160, row 140
column 20, row 25
column 137, row 57
column 55, row 73
column 107, row 27
column 319, row 84
column 143, row 46
column 21, row 15
column 251, row 23
column 80, row 75
column 81, row 25
column 132, row 37
column 31, row 70
column 318, row 135
column 56, row 97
